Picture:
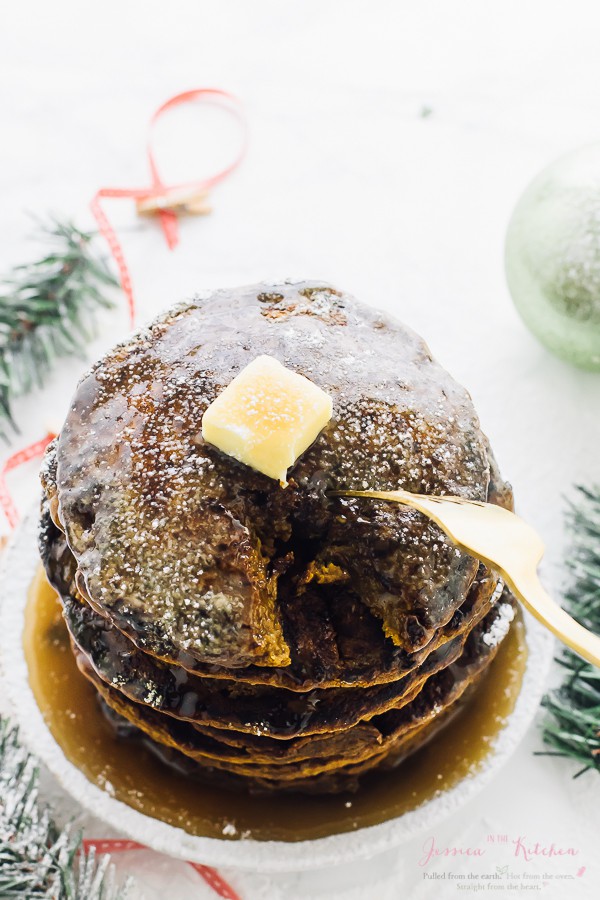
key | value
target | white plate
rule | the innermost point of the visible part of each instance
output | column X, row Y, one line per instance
column 19, row 567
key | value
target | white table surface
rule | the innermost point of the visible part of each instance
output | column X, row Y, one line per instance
column 345, row 180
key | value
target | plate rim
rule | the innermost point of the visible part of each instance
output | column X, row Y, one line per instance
column 18, row 567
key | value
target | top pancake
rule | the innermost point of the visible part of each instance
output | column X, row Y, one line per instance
column 193, row 554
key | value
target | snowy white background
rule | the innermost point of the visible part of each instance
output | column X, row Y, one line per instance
column 347, row 181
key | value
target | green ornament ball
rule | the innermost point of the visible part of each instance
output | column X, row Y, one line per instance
column 553, row 257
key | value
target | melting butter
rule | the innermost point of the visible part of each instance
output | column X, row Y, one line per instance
column 267, row 417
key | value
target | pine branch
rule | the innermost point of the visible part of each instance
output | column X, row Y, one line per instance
column 38, row 860
column 46, row 311
column 572, row 726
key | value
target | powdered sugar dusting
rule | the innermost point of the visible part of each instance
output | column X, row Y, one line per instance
column 500, row 626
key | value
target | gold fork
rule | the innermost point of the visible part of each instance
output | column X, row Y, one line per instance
column 506, row 544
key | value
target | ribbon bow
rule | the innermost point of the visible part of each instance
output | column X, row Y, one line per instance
column 163, row 200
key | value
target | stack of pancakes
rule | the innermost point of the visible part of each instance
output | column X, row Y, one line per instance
column 266, row 637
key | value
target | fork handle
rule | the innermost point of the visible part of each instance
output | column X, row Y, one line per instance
column 540, row 604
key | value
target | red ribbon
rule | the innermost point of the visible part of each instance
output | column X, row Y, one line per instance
column 210, row 876
column 168, row 217
column 17, row 459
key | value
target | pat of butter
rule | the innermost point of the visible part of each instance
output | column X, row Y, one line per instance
column 267, row 417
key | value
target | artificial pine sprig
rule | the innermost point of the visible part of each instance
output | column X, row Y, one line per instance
column 46, row 311
column 572, row 727
column 38, row 861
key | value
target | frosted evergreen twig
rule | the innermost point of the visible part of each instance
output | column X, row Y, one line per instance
column 46, row 311
column 572, row 725
column 38, row 860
